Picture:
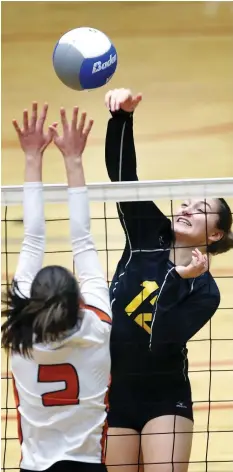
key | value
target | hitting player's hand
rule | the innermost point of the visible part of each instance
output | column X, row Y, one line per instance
column 198, row 266
column 122, row 99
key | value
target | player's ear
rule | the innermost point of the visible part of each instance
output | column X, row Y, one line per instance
column 216, row 236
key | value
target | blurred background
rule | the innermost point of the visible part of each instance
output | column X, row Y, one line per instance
column 180, row 56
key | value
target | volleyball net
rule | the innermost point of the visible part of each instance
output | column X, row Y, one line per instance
column 210, row 351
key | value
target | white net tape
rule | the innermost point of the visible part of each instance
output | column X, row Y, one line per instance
column 131, row 191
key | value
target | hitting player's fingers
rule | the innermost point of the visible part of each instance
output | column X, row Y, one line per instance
column 113, row 102
column 107, row 98
column 137, row 99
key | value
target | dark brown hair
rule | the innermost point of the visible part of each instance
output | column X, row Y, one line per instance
column 224, row 223
column 51, row 310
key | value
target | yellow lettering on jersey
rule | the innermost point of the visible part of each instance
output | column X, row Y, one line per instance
column 141, row 321
column 142, row 318
column 153, row 300
column 149, row 288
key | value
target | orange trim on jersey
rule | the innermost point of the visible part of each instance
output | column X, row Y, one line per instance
column 101, row 314
column 103, row 442
column 18, row 416
column 105, row 429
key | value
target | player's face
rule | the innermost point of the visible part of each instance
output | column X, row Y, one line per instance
column 195, row 222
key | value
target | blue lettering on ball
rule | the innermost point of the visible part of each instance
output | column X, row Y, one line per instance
column 97, row 71
column 98, row 66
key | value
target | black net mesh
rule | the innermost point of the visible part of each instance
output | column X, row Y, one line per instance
column 210, row 351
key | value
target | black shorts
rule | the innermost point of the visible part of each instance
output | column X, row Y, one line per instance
column 133, row 409
column 72, row 466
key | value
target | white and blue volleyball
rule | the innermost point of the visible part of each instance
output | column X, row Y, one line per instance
column 84, row 59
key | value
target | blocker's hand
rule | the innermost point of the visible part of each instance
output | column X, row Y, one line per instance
column 122, row 99
column 198, row 266
column 73, row 140
column 32, row 137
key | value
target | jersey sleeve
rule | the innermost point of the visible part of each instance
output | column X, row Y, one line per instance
column 32, row 251
column 93, row 285
column 176, row 319
column 142, row 222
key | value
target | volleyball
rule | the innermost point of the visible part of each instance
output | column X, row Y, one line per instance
column 84, row 59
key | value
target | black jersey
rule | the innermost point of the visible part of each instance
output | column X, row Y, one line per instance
column 155, row 311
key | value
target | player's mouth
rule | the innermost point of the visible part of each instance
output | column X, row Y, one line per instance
column 183, row 221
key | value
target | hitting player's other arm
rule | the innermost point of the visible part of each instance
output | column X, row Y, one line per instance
column 177, row 321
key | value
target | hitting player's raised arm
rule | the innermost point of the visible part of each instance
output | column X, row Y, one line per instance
column 141, row 221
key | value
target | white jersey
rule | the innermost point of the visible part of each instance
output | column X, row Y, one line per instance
column 61, row 392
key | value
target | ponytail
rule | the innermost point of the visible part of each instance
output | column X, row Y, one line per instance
column 36, row 320
column 16, row 311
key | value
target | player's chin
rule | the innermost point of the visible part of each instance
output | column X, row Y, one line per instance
column 182, row 228
column 185, row 236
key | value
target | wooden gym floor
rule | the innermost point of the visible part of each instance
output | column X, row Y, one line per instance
column 179, row 55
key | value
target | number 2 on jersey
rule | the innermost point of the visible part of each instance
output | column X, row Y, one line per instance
column 60, row 373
